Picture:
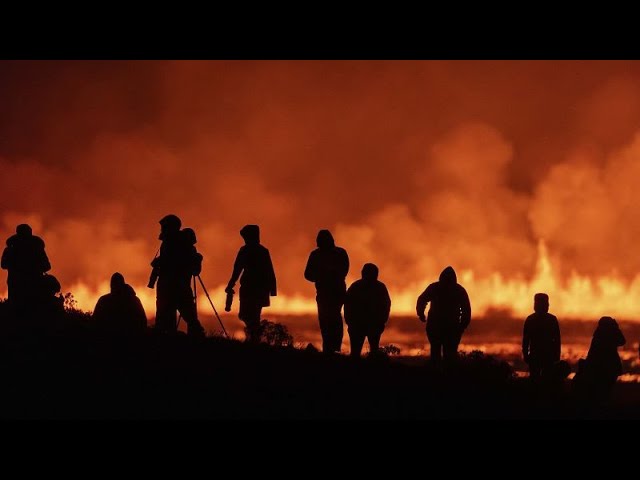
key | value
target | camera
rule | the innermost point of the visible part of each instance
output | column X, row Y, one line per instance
column 229, row 301
column 153, row 278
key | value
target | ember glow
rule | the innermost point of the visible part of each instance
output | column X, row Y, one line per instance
column 522, row 175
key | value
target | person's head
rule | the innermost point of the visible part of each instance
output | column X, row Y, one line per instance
column 325, row 239
column 50, row 284
column 448, row 275
column 169, row 225
column 250, row 234
column 541, row 303
column 370, row 272
column 189, row 236
column 117, row 283
column 24, row 230
column 607, row 324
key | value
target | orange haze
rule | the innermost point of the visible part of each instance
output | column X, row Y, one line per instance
column 522, row 175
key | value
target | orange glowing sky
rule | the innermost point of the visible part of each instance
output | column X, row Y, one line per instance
column 521, row 174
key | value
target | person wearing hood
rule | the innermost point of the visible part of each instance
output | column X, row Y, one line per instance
column 327, row 267
column 26, row 261
column 174, row 268
column 258, row 281
column 598, row 373
column 120, row 312
column 449, row 315
column 366, row 310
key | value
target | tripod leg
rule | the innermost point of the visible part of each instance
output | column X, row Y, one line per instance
column 212, row 306
column 195, row 297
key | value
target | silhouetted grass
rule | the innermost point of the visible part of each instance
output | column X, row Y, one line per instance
column 72, row 371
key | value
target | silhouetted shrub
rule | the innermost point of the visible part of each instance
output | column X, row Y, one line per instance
column 484, row 368
column 71, row 311
column 275, row 334
column 390, row 350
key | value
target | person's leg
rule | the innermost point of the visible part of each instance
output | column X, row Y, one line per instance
column 450, row 343
column 356, row 338
column 336, row 326
column 187, row 309
column 330, row 321
column 165, row 309
column 436, row 345
column 253, row 324
column 250, row 312
column 374, row 340
column 535, row 370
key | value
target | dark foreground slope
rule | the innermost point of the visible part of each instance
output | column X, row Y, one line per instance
column 73, row 373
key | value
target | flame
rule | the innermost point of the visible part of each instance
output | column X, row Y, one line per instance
column 576, row 297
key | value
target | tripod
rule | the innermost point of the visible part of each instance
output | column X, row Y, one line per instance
column 210, row 302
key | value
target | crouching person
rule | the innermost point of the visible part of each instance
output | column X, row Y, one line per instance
column 120, row 312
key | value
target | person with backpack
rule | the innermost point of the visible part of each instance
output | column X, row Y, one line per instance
column 257, row 283
column 175, row 266
column 327, row 267
column 26, row 261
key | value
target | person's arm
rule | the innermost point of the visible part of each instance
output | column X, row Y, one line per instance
column 141, row 316
column 99, row 315
column 556, row 340
column 311, row 270
column 620, row 338
column 43, row 261
column 345, row 263
column 423, row 299
column 465, row 309
column 45, row 264
column 7, row 258
column 387, row 303
column 348, row 303
column 238, row 266
column 526, row 339
column 273, row 287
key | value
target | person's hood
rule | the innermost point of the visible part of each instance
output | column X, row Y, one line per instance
column 448, row 275
column 325, row 239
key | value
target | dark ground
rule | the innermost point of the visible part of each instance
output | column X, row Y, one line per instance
column 73, row 373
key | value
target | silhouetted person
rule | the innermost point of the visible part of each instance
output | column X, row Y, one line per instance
column 327, row 267
column 258, row 281
column 449, row 315
column 50, row 303
column 120, row 312
column 599, row 372
column 541, row 338
column 175, row 267
column 366, row 310
column 26, row 261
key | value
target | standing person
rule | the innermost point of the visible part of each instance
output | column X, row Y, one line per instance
column 366, row 310
column 258, row 281
column 26, row 261
column 327, row 267
column 541, row 339
column 449, row 315
column 174, row 268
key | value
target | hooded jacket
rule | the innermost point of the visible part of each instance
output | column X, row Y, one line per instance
column 449, row 300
